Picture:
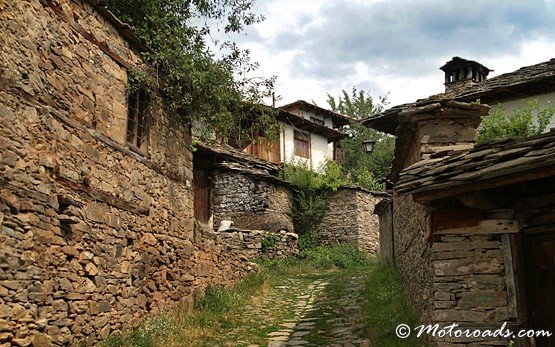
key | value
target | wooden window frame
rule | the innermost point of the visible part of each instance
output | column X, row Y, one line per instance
column 138, row 121
column 301, row 138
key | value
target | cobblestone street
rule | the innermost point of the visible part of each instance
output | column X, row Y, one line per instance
column 322, row 309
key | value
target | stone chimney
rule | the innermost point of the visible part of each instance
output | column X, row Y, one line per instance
column 435, row 126
column 460, row 72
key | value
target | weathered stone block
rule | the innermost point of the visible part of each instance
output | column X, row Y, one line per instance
column 482, row 299
column 457, row 316
column 467, row 266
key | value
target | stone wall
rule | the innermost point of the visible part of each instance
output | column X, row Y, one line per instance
column 94, row 235
column 469, row 284
column 411, row 233
column 251, row 202
column 350, row 219
column 260, row 244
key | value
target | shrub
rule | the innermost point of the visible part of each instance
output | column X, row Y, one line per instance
column 527, row 120
column 311, row 193
column 365, row 179
column 269, row 242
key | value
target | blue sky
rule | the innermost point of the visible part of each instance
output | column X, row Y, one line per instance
column 392, row 46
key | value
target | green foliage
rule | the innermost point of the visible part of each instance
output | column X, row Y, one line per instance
column 365, row 169
column 269, row 242
column 358, row 104
column 193, row 83
column 310, row 201
column 342, row 256
column 527, row 120
column 218, row 299
column 365, row 178
column 387, row 301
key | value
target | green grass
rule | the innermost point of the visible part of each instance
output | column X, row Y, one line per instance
column 218, row 315
column 388, row 306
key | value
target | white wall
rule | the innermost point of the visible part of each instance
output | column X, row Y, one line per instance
column 306, row 114
column 320, row 149
column 511, row 106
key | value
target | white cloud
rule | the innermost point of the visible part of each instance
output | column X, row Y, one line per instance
column 394, row 46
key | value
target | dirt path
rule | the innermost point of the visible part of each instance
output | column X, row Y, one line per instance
column 308, row 310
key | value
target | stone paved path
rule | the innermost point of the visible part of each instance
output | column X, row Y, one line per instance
column 316, row 310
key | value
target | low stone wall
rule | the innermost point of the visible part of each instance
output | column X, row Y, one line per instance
column 251, row 202
column 350, row 219
column 260, row 244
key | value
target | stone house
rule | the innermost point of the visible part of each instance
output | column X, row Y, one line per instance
column 471, row 227
column 308, row 134
column 234, row 186
column 96, row 198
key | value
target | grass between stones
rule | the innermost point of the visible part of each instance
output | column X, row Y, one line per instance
column 330, row 295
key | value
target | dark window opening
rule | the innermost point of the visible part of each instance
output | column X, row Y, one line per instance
column 138, row 120
column 301, row 144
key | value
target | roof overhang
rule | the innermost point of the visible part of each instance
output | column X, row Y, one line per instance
column 337, row 118
column 525, row 82
column 303, row 124
column 486, row 166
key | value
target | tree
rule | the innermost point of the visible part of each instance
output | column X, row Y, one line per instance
column 364, row 168
column 182, row 67
column 527, row 120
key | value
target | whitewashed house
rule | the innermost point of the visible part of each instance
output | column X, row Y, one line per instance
column 308, row 134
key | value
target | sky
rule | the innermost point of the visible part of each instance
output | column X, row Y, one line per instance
column 392, row 47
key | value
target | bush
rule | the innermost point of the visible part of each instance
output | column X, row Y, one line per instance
column 527, row 120
column 365, row 179
column 269, row 242
column 311, row 194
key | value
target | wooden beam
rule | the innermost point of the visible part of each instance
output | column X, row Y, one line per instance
column 488, row 226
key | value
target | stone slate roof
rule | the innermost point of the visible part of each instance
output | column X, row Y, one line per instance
column 307, row 125
column 526, row 81
column 338, row 118
column 487, row 165
column 230, row 158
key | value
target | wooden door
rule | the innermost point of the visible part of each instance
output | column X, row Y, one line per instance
column 202, row 197
column 386, row 231
column 539, row 261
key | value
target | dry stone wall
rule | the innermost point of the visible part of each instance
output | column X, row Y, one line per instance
column 350, row 219
column 260, row 244
column 94, row 236
column 411, row 232
column 252, row 202
column 469, row 285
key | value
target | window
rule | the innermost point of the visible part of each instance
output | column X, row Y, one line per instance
column 317, row 121
column 302, row 144
column 138, row 121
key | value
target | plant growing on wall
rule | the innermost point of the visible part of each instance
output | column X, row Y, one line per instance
column 310, row 198
column 527, row 120
column 269, row 242
column 218, row 92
